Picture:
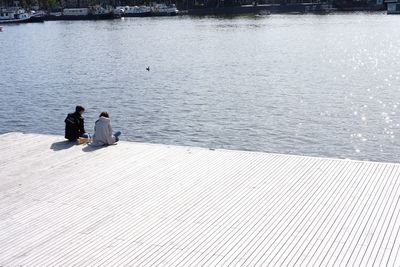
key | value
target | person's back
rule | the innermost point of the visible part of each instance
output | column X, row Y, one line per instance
column 74, row 124
column 103, row 134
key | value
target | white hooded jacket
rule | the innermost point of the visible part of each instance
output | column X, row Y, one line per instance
column 103, row 132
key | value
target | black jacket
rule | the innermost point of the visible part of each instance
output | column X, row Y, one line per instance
column 74, row 126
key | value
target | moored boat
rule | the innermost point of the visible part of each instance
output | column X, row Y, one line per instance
column 91, row 13
column 14, row 15
column 164, row 10
column 37, row 16
column 264, row 9
column 133, row 11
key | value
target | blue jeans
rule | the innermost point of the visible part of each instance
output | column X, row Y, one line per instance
column 86, row 135
column 116, row 135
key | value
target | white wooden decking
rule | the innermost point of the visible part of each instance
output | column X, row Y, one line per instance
column 147, row 205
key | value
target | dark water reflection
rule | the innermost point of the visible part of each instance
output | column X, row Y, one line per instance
column 311, row 85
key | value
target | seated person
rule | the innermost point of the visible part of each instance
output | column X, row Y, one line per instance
column 75, row 125
column 103, row 135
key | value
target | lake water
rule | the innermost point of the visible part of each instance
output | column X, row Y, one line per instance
column 301, row 84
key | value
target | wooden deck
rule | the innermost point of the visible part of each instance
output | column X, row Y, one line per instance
column 147, row 205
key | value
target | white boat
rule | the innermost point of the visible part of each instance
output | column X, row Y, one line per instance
column 164, row 10
column 90, row 13
column 133, row 11
column 14, row 15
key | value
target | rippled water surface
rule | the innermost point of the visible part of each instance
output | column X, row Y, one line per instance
column 311, row 85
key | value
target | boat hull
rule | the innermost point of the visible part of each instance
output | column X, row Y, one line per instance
column 273, row 8
column 10, row 21
column 36, row 19
column 82, row 17
column 163, row 14
column 136, row 15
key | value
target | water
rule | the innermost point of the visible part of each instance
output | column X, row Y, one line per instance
column 311, row 85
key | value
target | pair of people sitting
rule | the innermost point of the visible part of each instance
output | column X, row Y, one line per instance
column 103, row 134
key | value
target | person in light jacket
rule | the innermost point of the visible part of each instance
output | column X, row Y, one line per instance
column 103, row 134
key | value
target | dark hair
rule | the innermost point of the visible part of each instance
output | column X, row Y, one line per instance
column 79, row 109
column 104, row 114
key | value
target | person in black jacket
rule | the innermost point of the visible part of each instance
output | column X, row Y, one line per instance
column 74, row 124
